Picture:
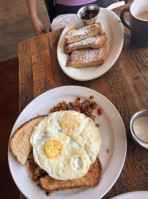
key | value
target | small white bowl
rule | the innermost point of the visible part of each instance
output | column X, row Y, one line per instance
column 142, row 113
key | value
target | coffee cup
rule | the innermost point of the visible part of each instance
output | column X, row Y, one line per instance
column 138, row 23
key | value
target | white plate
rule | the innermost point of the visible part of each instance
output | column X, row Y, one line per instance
column 113, row 138
column 113, row 28
column 133, row 195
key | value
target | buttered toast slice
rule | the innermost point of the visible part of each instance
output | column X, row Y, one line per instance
column 91, row 42
column 90, row 180
column 77, row 34
column 20, row 141
column 87, row 57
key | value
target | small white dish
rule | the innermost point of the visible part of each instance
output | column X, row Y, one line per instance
column 141, row 114
column 112, row 132
column 113, row 28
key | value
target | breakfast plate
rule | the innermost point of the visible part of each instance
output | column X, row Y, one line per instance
column 113, row 28
column 113, row 148
column 131, row 195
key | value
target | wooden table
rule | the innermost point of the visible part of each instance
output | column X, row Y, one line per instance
column 125, row 85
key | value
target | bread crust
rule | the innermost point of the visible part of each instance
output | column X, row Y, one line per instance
column 19, row 143
column 90, row 180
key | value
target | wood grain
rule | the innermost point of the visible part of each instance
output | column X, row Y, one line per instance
column 125, row 85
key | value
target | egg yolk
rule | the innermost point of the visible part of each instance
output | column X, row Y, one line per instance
column 53, row 148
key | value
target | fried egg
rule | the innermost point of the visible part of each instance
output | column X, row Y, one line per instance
column 65, row 144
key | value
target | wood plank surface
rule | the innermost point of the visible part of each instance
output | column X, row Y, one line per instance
column 125, row 85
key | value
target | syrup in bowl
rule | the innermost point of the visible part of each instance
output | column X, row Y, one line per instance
column 89, row 14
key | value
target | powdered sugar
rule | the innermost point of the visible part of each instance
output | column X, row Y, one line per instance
column 84, row 42
column 86, row 30
column 85, row 56
column 82, row 31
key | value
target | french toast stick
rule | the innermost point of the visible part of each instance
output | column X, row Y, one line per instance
column 87, row 57
column 91, row 42
column 77, row 34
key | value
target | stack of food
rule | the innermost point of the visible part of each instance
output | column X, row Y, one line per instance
column 86, row 45
column 64, row 148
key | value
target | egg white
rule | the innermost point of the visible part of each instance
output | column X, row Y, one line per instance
column 80, row 139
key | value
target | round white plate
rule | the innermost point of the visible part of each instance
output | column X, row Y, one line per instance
column 113, row 138
column 113, row 28
column 133, row 195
